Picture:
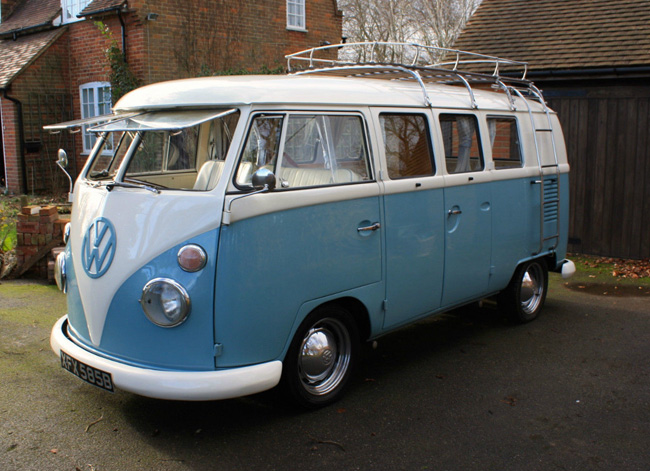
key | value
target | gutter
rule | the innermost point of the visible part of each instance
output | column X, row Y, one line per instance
column 21, row 136
column 13, row 34
column 562, row 73
column 117, row 9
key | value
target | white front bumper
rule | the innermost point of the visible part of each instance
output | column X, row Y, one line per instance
column 176, row 385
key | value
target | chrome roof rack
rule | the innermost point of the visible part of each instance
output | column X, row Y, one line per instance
column 415, row 62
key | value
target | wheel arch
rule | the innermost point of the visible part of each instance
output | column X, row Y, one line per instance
column 357, row 309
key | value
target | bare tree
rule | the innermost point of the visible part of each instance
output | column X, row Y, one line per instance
column 443, row 20
column 428, row 22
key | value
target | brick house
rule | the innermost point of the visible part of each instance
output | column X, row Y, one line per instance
column 592, row 61
column 53, row 65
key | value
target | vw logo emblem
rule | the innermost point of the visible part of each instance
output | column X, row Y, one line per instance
column 98, row 247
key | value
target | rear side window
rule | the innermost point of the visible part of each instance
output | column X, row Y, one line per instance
column 407, row 145
column 504, row 138
column 461, row 140
column 306, row 150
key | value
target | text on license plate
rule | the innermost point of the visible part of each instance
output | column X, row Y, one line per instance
column 88, row 373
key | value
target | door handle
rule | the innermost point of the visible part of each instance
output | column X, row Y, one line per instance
column 454, row 212
column 372, row 227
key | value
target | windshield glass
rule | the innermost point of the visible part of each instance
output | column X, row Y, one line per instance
column 189, row 158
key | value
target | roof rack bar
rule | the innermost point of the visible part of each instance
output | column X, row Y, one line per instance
column 412, row 63
column 368, row 67
column 469, row 90
column 461, row 57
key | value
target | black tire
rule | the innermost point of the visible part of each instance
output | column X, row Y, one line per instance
column 321, row 357
column 524, row 297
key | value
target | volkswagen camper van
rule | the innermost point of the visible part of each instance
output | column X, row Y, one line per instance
column 232, row 234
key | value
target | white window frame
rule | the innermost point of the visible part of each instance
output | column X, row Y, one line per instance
column 71, row 8
column 296, row 15
column 93, row 108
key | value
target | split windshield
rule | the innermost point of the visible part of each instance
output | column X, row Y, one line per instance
column 183, row 150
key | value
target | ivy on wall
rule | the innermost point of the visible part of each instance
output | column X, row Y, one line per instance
column 121, row 77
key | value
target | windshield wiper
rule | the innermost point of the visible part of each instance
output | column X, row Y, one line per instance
column 113, row 184
column 99, row 174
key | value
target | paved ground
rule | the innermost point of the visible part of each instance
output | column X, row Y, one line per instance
column 468, row 391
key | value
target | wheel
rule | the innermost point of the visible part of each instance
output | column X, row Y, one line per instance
column 524, row 297
column 321, row 357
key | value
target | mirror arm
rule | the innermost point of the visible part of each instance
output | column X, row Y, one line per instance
column 225, row 220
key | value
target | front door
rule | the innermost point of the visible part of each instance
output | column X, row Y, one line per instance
column 316, row 235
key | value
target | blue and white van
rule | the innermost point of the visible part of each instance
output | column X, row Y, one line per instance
column 229, row 234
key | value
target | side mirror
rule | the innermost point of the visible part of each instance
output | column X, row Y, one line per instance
column 263, row 179
column 63, row 164
column 63, row 158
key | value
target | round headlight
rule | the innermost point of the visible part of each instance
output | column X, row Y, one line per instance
column 165, row 302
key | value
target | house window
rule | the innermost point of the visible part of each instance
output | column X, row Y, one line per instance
column 296, row 15
column 95, row 101
column 71, row 8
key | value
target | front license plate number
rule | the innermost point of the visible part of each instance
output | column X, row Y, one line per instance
column 89, row 374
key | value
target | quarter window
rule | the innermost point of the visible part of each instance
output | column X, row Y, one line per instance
column 95, row 101
column 407, row 145
column 296, row 15
column 504, row 138
column 461, row 140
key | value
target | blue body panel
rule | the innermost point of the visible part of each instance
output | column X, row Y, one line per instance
column 468, row 242
column 269, row 266
column 515, row 228
column 414, row 227
column 130, row 337
column 273, row 270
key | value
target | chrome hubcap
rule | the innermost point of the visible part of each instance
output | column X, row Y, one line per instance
column 532, row 286
column 324, row 356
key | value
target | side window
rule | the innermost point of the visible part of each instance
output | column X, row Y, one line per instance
column 504, row 138
column 461, row 140
column 407, row 145
column 317, row 150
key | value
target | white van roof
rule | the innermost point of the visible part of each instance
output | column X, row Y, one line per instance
column 210, row 92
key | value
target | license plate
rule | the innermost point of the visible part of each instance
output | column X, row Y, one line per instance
column 89, row 374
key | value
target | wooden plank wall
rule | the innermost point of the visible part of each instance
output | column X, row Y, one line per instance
column 609, row 153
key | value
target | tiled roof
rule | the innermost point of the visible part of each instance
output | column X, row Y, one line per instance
column 16, row 55
column 98, row 6
column 562, row 34
column 31, row 13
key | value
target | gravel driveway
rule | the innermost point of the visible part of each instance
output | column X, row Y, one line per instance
column 464, row 391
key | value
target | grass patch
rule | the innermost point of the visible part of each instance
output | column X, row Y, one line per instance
column 610, row 277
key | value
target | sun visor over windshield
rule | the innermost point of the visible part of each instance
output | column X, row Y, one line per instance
column 78, row 123
column 162, row 120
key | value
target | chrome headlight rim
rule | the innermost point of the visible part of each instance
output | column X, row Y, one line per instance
column 184, row 296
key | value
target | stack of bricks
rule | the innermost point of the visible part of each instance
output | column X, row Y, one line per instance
column 39, row 229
